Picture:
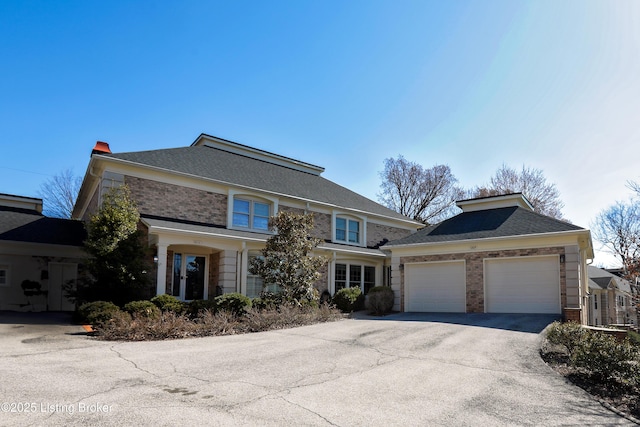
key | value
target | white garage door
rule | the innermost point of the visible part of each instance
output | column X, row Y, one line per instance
column 435, row 287
column 522, row 285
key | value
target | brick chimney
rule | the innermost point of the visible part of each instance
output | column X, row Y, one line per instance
column 101, row 148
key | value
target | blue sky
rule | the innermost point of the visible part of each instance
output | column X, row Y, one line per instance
column 553, row 85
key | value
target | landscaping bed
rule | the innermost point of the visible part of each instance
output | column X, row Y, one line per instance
column 605, row 367
column 165, row 317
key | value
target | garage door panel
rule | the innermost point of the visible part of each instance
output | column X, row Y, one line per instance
column 522, row 285
column 436, row 287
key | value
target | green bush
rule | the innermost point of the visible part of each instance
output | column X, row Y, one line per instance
column 262, row 304
column 380, row 300
column 196, row 307
column 597, row 355
column 348, row 299
column 569, row 334
column 142, row 308
column 607, row 359
column 97, row 312
column 166, row 302
column 234, row 303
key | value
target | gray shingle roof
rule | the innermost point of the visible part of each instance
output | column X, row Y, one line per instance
column 23, row 225
column 223, row 166
column 602, row 278
column 490, row 223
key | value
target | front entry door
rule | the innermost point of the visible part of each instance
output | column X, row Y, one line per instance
column 189, row 273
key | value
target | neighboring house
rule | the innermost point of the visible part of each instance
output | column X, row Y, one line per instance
column 38, row 255
column 610, row 299
column 497, row 256
column 205, row 209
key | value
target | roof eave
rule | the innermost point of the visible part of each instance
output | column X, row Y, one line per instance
column 502, row 238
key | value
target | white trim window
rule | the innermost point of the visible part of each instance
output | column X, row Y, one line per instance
column 355, row 275
column 349, row 230
column 250, row 213
column 4, row 275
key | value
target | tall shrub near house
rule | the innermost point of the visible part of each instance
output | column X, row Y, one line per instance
column 287, row 259
column 118, row 262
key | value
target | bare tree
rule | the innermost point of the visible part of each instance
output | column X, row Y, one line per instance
column 635, row 186
column 618, row 229
column 426, row 195
column 544, row 196
column 59, row 194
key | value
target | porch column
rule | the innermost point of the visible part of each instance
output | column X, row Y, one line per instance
column 244, row 260
column 161, row 270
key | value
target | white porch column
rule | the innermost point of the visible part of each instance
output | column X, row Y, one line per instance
column 331, row 286
column 244, row 262
column 161, row 270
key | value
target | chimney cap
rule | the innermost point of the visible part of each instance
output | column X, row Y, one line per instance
column 101, row 148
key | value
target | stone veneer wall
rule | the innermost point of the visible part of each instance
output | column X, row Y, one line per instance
column 474, row 263
column 178, row 202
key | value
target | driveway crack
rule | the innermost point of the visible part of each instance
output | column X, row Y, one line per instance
column 135, row 365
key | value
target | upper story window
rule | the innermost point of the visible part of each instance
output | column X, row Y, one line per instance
column 251, row 214
column 348, row 230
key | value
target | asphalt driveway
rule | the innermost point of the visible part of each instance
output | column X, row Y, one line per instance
column 406, row 369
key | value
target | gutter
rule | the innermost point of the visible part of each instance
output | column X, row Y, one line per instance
column 486, row 239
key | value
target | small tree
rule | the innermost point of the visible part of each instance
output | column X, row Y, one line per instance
column 118, row 265
column 287, row 259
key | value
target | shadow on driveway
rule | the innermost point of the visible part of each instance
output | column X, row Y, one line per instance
column 531, row 323
column 38, row 318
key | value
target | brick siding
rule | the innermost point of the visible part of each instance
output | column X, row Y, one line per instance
column 376, row 233
column 474, row 262
column 178, row 202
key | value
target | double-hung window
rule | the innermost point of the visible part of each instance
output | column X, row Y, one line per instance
column 251, row 214
column 348, row 230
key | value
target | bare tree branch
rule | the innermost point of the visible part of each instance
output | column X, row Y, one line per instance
column 59, row 194
column 544, row 196
column 426, row 195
